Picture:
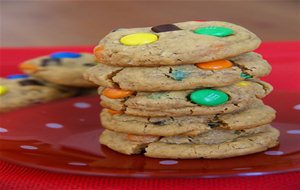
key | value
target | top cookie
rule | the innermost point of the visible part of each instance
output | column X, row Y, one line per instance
column 63, row 68
column 175, row 44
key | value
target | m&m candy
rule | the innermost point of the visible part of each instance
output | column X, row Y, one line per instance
column 115, row 93
column 209, row 97
column 3, row 90
column 114, row 112
column 165, row 28
column 218, row 31
column 138, row 39
column 17, row 76
column 243, row 83
column 142, row 138
column 215, row 65
column 178, row 75
column 98, row 51
column 60, row 55
column 28, row 67
column 245, row 76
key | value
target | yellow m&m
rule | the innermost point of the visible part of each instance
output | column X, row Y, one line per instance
column 3, row 90
column 138, row 39
column 243, row 83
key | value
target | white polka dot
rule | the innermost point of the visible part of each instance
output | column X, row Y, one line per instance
column 168, row 162
column 241, row 168
column 54, row 125
column 251, row 174
column 77, row 164
column 274, row 153
column 82, row 105
column 297, row 107
column 28, row 147
column 82, row 119
column 294, row 132
column 3, row 130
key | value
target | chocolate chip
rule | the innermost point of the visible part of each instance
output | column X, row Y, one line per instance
column 165, row 28
column 89, row 64
column 213, row 124
column 30, row 82
column 162, row 122
column 50, row 61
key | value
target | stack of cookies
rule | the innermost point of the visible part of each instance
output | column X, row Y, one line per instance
column 184, row 90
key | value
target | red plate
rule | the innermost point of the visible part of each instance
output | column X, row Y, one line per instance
column 63, row 137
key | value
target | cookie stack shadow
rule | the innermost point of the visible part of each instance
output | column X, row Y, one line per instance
column 185, row 90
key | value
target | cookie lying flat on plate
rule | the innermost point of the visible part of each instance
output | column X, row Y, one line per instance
column 175, row 44
column 22, row 92
column 254, row 115
column 213, row 144
column 184, row 77
column 181, row 103
column 64, row 68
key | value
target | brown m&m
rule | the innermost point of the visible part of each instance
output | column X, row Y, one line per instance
column 165, row 28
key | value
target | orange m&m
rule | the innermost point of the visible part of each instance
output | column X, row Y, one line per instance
column 114, row 112
column 28, row 67
column 142, row 138
column 98, row 52
column 115, row 93
column 215, row 65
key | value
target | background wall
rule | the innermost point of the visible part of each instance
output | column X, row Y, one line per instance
column 64, row 23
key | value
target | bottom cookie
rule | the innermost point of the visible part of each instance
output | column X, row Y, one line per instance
column 214, row 144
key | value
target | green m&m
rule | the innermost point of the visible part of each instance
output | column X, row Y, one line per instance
column 209, row 97
column 218, row 31
column 245, row 76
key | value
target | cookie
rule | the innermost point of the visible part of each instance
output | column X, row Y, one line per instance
column 17, row 92
column 255, row 115
column 183, row 77
column 242, row 145
column 63, row 68
column 192, row 42
column 120, row 143
column 182, row 103
column 215, row 144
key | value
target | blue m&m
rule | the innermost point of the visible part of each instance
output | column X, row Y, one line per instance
column 17, row 76
column 61, row 55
